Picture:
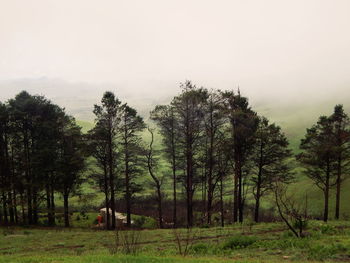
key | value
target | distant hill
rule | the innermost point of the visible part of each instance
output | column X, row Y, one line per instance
column 85, row 125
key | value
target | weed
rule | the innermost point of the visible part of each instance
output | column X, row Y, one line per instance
column 184, row 240
column 127, row 241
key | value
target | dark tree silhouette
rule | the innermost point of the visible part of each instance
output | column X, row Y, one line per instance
column 188, row 108
column 158, row 180
column 319, row 157
column 132, row 153
column 108, row 117
column 269, row 159
column 165, row 118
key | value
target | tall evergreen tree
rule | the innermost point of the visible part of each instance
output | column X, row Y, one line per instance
column 71, row 162
column 165, row 118
column 132, row 154
column 213, row 124
column 108, row 117
column 188, row 108
column 98, row 148
column 243, row 122
column 269, row 159
column 341, row 138
column 319, row 158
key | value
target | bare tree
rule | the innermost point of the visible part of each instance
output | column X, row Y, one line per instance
column 292, row 212
column 158, row 181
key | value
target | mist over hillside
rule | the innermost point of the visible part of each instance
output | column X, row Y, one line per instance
column 294, row 112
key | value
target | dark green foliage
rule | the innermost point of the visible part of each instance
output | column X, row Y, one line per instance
column 270, row 160
column 132, row 162
column 40, row 154
column 201, row 248
column 325, row 150
column 241, row 241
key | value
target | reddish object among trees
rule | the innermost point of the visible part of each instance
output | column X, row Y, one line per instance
column 99, row 219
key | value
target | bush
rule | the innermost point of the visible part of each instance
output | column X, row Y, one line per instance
column 200, row 248
column 139, row 221
column 127, row 242
column 144, row 222
column 236, row 242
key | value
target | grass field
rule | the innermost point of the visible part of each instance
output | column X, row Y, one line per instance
column 265, row 242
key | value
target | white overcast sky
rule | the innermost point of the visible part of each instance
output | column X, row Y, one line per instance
column 285, row 50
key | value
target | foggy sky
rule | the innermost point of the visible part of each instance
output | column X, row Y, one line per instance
column 279, row 52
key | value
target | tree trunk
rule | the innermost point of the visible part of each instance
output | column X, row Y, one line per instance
column 111, row 174
column 4, row 208
column 15, row 205
column 24, row 219
column 326, row 195
column 174, row 194
column 257, row 207
column 127, row 196
column 257, row 197
column 160, row 212
column 11, row 208
column 48, row 206
column 189, row 187
column 29, row 206
column 35, row 207
column 53, row 208
column 222, row 201
column 111, row 185
column 210, row 176
column 240, row 201
column 337, row 199
column 66, row 212
column 107, row 220
column 235, row 197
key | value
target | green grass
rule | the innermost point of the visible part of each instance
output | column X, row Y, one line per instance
column 265, row 242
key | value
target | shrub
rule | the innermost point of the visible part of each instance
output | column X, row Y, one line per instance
column 200, row 248
column 139, row 221
column 150, row 223
column 239, row 242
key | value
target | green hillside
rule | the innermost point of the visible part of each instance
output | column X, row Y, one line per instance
column 302, row 187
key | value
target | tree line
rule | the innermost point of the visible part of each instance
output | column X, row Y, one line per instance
column 213, row 142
